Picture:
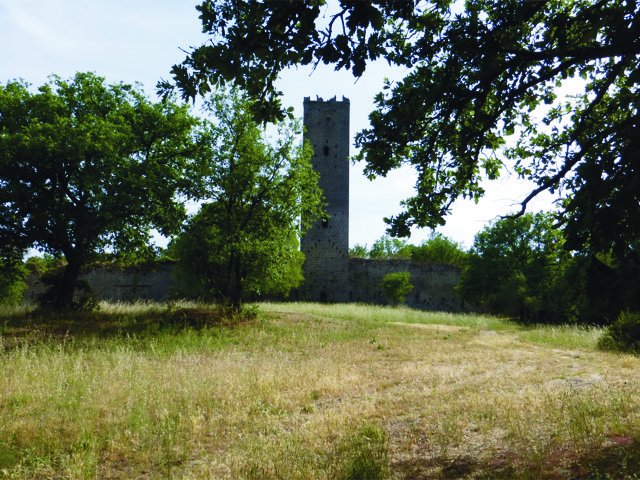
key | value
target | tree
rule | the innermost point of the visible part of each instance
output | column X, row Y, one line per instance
column 262, row 198
column 475, row 75
column 516, row 267
column 359, row 251
column 396, row 286
column 86, row 166
column 386, row 248
column 12, row 283
column 439, row 249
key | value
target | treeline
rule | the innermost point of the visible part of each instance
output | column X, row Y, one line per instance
column 519, row 267
column 436, row 249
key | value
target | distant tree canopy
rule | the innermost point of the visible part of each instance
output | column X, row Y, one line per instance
column 86, row 166
column 261, row 197
column 386, row 248
column 517, row 267
column 439, row 249
column 435, row 249
column 476, row 73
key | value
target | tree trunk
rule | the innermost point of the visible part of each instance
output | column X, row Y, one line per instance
column 238, row 288
column 68, row 283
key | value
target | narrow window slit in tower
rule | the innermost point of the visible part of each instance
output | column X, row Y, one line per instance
column 325, row 222
column 326, row 151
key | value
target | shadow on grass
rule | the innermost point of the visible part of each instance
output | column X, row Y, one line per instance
column 620, row 461
column 18, row 329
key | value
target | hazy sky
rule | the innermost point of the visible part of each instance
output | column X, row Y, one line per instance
column 139, row 40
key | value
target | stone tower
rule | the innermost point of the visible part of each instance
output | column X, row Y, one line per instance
column 326, row 243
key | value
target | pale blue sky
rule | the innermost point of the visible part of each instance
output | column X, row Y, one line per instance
column 139, row 40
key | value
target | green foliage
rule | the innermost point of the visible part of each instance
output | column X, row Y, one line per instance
column 623, row 335
column 359, row 251
column 387, row 248
column 477, row 72
column 87, row 167
column 517, row 267
column 262, row 198
column 12, row 284
column 41, row 266
column 396, row 286
column 439, row 249
column 436, row 249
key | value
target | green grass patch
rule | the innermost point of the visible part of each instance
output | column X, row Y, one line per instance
column 562, row 336
column 309, row 391
column 377, row 314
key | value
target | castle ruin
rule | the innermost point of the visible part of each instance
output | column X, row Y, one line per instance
column 330, row 275
column 326, row 243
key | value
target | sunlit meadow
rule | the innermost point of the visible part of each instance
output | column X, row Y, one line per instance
column 309, row 391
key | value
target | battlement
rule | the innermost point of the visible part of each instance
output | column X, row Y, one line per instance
column 320, row 100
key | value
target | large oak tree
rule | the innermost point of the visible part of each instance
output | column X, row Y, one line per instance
column 478, row 71
column 86, row 166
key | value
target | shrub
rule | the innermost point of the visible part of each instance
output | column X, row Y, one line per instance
column 359, row 251
column 395, row 286
column 623, row 335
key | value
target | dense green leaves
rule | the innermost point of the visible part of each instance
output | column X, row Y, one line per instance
column 516, row 267
column 261, row 197
column 386, row 248
column 254, row 41
column 435, row 249
column 623, row 334
column 439, row 249
column 86, row 166
column 396, row 287
column 477, row 72
column 12, row 285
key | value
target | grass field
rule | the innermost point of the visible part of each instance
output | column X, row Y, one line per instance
column 308, row 391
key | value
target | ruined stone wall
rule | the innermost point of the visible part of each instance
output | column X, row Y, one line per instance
column 118, row 285
column 434, row 284
column 326, row 244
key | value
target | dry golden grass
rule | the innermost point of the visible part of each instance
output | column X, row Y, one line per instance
column 285, row 396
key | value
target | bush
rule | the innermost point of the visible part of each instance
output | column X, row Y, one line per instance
column 359, row 251
column 623, row 335
column 395, row 286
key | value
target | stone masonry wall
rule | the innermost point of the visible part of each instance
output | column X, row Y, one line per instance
column 434, row 284
column 326, row 244
column 118, row 285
